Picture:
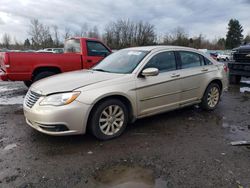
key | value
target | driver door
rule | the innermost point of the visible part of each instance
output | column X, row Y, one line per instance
column 162, row 92
column 96, row 52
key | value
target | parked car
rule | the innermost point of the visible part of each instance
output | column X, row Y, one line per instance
column 79, row 53
column 240, row 66
column 51, row 50
column 214, row 55
column 127, row 85
column 4, row 50
column 223, row 57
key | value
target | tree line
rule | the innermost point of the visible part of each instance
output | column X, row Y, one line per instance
column 124, row 33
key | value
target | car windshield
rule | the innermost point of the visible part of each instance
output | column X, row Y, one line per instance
column 123, row 61
column 72, row 45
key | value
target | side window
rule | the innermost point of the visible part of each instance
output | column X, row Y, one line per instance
column 190, row 59
column 97, row 49
column 164, row 61
column 207, row 61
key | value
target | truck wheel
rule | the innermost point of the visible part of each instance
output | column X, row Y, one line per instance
column 27, row 83
column 42, row 75
column 109, row 119
column 211, row 97
column 234, row 79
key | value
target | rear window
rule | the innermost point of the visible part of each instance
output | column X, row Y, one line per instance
column 72, row 45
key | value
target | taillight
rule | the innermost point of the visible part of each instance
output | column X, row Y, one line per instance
column 6, row 60
column 225, row 68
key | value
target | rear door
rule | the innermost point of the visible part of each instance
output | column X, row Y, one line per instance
column 96, row 51
column 195, row 73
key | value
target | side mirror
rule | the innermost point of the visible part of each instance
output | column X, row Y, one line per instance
column 150, row 72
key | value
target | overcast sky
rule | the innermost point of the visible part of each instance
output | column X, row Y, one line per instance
column 209, row 17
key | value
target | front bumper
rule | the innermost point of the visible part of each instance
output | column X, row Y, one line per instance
column 69, row 119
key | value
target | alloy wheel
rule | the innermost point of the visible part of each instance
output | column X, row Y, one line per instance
column 213, row 97
column 111, row 120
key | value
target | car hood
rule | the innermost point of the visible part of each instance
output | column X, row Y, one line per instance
column 71, row 81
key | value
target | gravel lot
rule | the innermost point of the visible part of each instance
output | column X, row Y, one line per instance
column 184, row 148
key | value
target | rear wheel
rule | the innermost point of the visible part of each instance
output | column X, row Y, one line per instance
column 211, row 97
column 234, row 79
column 109, row 119
column 42, row 75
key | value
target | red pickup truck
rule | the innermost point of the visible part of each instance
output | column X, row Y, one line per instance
column 79, row 53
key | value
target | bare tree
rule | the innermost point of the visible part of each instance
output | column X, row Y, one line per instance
column 94, row 33
column 35, row 32
column 40, row 34
column 56, row 36
column 125, row 33
column 67, row 33
column 6, row 40
column 177, row 37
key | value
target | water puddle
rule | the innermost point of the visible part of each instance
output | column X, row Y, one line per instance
column 11, row 100
column 237, row 132
column 125, row 177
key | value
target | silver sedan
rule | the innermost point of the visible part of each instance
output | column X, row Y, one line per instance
column 129, row 84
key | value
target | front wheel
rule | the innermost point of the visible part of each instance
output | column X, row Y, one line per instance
column 211, row 97
column 109, row 119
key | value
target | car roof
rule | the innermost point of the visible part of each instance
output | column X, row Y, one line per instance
column 161, row 47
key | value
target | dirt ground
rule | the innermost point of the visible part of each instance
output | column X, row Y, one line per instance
column 183, row 148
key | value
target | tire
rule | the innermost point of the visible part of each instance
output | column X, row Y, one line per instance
column 27, row 83
column 42, row 75
column 101, row 123
column 211, row 97
column 234, row 79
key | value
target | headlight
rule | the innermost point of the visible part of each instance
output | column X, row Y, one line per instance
column 60, row 99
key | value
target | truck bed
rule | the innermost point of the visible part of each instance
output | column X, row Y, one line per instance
column 20, row 65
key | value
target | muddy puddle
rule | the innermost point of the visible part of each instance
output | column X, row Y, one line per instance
column 122, row 176
column 236, row 131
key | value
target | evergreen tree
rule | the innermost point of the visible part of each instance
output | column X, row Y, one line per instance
column 27, row 43
column 221, row 43
column 247, row 39
column 234, row 34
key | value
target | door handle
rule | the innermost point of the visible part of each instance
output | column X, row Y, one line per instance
column 175, row 75
column 204, row 69
column 89, row 60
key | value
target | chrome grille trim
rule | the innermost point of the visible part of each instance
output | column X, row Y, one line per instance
column 31, row 98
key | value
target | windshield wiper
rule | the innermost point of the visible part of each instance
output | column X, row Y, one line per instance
column 101, row 70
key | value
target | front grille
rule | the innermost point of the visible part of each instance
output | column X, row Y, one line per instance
column 31, row 98
column 241, row 57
